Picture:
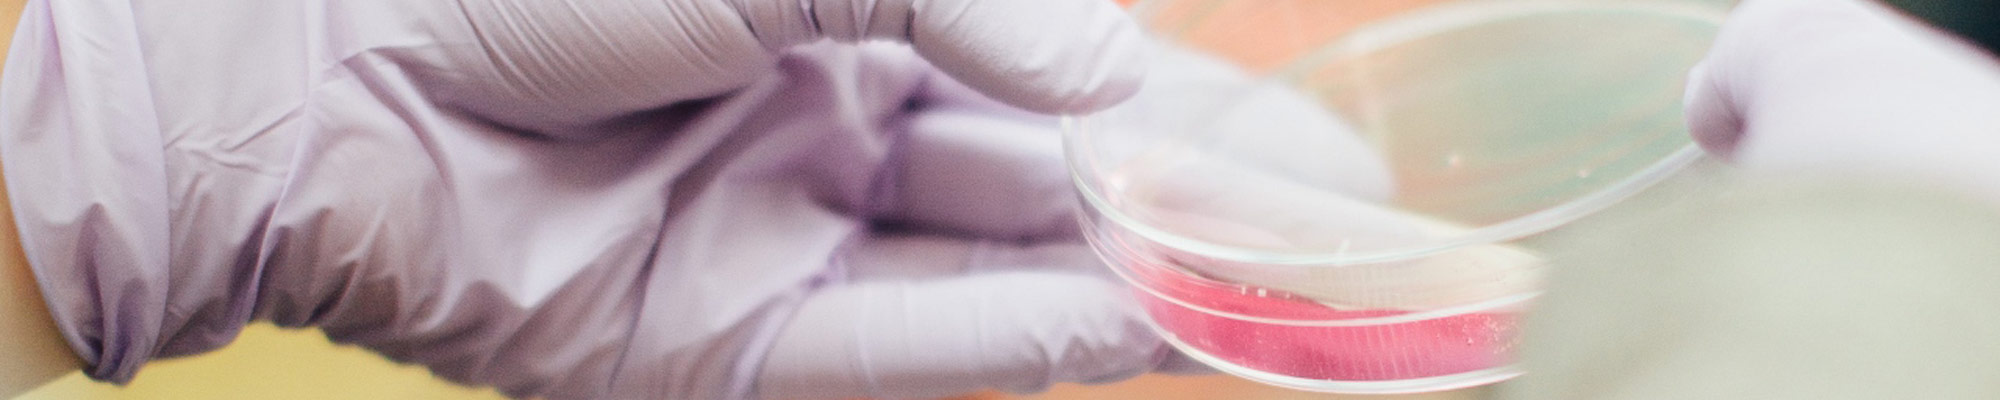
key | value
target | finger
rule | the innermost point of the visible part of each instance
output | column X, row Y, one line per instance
column 1042, row 55
column 1712, row 114
column 1013, row 331
column 559, row 67
column 985, row 171
column 1847, row 86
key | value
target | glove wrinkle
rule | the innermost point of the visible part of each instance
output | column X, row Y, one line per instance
column 1048, row 56
column 561, row 199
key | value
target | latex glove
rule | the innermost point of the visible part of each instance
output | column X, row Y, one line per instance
column 1848, row 87
column 605, row 199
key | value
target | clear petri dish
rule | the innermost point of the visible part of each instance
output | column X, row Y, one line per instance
column 1333, row 195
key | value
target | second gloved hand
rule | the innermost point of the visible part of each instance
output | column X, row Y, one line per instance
column 1849, row 87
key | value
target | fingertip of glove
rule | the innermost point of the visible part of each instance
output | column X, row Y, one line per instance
column 1056, row 57
column 1117, row 77
column 1712, row 119
column 1115, row 68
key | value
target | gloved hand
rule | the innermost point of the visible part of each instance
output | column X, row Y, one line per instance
column 1868, row 141
column 605, row 199
column 1848, row 87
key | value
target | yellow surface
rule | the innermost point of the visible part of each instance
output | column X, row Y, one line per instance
column 271, row 363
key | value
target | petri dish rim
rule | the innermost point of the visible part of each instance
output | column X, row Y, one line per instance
column 1118, row 267
column 1377, row 36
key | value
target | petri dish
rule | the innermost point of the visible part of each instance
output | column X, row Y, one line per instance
column 1333, row 195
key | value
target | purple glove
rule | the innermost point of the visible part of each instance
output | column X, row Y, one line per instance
column 1849, row 87
column 606, row 199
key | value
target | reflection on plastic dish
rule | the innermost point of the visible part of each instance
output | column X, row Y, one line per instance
column 1258, row 243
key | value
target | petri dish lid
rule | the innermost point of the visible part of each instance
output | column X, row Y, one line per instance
column 1496, row 120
